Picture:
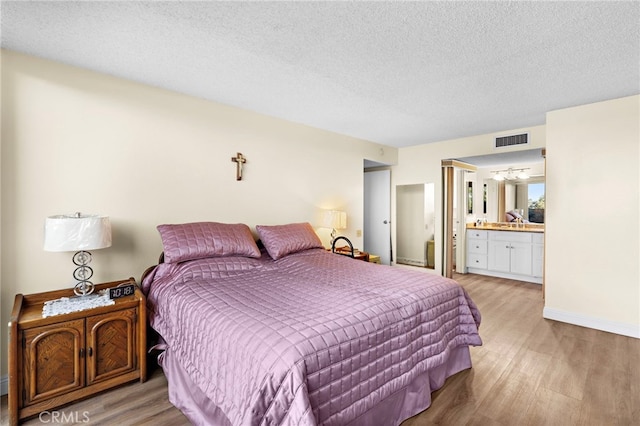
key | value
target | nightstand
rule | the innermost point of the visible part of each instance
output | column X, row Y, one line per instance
column 357, row 254
column 60, row 359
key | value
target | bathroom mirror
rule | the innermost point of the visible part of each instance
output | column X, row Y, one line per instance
column 415, row 224
column 525, row 196
column 491, row 199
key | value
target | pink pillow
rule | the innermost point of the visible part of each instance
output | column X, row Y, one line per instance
column 281, row 240
column 199, row 240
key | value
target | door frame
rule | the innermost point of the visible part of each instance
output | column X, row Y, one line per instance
column 449, row 168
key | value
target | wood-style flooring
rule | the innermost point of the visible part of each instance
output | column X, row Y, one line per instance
column 529, row 371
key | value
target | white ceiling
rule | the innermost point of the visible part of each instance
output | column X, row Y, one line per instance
column 398, row 73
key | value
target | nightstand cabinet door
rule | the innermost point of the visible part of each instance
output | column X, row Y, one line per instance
column 111, row 345
column 52, row 360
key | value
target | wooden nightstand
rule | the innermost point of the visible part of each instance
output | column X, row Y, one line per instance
column 357, row 254
column 63, row 358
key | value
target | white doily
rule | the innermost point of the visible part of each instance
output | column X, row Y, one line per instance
column 65, row 305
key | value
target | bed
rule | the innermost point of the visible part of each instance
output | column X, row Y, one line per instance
column 286, row 333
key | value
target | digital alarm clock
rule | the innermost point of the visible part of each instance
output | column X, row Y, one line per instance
column 122, row 290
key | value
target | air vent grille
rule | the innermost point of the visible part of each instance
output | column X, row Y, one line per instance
column 512, row 140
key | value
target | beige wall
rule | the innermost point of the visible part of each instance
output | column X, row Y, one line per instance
column 77, row 140
column 74, row 140
column 593, row 215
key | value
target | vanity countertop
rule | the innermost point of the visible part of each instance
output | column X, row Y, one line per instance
column 528, row 227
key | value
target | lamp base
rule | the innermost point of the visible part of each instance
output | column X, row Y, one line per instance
column 82, row 273
column 333, row 234
column 83, row 288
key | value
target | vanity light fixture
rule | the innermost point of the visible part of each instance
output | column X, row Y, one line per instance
column 510, row 174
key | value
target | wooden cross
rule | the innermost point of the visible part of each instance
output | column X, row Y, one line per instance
column 239, row 160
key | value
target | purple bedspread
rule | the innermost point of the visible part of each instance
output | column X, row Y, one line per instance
column 313, row 338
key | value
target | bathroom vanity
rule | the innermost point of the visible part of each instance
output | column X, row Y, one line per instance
column 506, row 252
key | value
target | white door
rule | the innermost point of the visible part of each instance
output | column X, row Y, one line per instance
column 377, row 214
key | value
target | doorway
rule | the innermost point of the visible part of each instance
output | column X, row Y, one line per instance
column 489, row 197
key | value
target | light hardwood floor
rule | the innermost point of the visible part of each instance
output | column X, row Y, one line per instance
column 529, row 371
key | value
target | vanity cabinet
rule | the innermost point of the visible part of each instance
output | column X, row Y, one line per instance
column 508, row 254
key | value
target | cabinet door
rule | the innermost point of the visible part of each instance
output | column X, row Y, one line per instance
column 499, row 257
column 111, row 345
column 52, row 360
column 521, row 258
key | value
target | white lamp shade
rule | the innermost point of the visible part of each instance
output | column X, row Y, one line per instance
column 76, row 232
column 334, row 219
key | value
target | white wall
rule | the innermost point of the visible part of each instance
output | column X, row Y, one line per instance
column 592, row 216
column 74, row 140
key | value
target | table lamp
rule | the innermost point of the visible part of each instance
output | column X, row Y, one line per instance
column 78, row 232
column 334, row 219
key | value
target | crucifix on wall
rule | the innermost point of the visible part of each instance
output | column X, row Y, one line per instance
column 239, row 160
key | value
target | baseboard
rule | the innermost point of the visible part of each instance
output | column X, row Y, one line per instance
column 411, row 262
column 591, row 322
column 4, row 385
column 516, row 277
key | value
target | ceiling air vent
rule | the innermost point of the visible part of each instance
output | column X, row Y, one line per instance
column 512, row 140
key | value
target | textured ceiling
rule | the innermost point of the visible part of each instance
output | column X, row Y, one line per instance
column 398, row 73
